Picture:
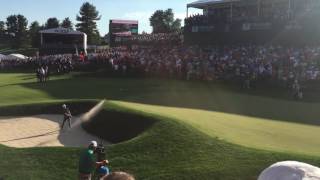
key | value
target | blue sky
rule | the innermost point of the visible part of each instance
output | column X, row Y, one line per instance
column 141, row 10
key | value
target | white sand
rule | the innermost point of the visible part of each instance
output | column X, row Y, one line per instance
column 44, row 131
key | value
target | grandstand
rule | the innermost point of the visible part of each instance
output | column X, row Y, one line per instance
column 253, row 21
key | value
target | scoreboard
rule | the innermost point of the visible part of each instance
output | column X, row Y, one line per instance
column 121, row 30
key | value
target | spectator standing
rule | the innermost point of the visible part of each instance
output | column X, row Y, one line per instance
column 88, row 163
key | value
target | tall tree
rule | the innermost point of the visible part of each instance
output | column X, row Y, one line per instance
column 164, row 22
column 2, row 27
column 87, row 22
column 52, row 23
column 17, row 28
column 66, row 23
column 34, row 33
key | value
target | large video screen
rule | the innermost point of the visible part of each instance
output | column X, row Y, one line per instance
column 124, row 26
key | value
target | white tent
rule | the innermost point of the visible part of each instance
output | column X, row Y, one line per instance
column 2, row 57
column 16, row 57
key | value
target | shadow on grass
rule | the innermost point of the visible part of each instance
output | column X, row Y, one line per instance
column 264, row 102
column 118, row 126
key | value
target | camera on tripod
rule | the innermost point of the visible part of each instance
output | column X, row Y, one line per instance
column 101, row 152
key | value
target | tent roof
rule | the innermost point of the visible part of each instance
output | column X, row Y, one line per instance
column 204, row 3
column 17, row 56
column 61, row 30
column 2, row 56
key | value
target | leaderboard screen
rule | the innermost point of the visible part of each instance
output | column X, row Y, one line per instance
column 124, row 26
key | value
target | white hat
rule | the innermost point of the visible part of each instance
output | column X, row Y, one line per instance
column 94, row 143
column 64, row 106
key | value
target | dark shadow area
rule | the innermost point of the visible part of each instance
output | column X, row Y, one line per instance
column 116, row 126
column 263, row 102
column 76, row 107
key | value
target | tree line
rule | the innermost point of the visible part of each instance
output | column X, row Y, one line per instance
column 16, row 30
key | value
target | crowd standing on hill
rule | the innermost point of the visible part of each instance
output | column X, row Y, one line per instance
column 248, row 64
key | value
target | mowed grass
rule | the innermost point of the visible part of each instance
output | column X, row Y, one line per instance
column 240, row 118
column 168, row 150
column 203, row 129
column 243, row 130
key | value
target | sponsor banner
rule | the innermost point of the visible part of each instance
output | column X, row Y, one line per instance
column 256, row 26
column 203, row 28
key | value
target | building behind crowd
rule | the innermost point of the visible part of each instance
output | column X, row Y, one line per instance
column 62, row 41
column 253, row 21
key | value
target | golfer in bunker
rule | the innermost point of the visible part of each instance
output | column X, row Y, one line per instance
column 67, row 116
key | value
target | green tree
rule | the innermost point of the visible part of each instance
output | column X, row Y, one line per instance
column 66, row 23
column 52, row 23
column 34, row 33
column 17, row 28
column 2, row 27
column 87, row 18
column 164, row 22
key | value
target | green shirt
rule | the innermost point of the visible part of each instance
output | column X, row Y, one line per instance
column 87, row 162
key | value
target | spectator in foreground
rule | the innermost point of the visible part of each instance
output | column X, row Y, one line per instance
column 118, row 176
column 87, row 163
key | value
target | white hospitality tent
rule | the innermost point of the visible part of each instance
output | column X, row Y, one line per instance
column 16, row 57
column 2, row 57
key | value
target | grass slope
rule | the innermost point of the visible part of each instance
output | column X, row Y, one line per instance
column 243, row 130
column 234, row 115
column 168, row 149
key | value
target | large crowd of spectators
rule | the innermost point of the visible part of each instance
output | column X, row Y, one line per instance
column 248, row 64
column 192, row 62
column 160, row 38
column 150, row 39
column 227, row 63
column 57, row 63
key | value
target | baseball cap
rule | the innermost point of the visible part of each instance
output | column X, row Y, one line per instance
column 94, row 143
column 64, row 106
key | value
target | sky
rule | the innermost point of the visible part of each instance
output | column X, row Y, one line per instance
column 141, row 10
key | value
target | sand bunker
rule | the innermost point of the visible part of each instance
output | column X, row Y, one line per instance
column 44, row 131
